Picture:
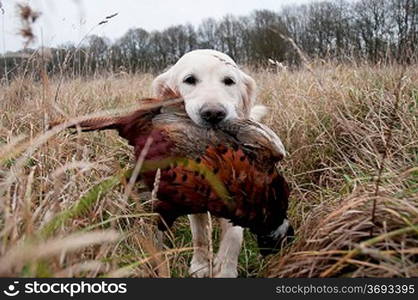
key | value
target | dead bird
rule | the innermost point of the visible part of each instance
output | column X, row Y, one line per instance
column 229, row 169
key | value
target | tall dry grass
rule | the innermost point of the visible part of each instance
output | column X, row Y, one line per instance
column 63, row 212
column 352, row 134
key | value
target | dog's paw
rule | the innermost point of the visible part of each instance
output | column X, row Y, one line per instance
column 229, row 273
column 199, row 269
column 224, row 269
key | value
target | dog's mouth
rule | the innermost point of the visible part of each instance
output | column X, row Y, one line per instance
column 216, row 126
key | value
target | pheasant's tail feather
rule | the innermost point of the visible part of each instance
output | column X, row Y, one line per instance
column 56, row 122
column 97, row 123
column 149, row 106
column 100, row 123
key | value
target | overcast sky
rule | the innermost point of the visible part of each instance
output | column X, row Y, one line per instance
column 69, row 20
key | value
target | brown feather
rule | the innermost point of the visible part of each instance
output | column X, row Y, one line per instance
column 229, row 170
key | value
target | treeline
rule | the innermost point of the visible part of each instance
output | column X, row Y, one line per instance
column 372, row 30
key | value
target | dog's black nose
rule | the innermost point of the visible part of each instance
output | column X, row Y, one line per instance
column 213, row 114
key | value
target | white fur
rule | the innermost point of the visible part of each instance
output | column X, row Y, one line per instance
column 258, row 112
column 210, row 68
column 281, row 230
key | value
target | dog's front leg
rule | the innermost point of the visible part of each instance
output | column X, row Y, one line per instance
column 226, row 261
column 199, row 266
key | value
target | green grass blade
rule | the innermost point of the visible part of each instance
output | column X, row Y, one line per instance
column 83, row 205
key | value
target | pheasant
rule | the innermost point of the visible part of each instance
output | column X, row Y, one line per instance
column 228, row 170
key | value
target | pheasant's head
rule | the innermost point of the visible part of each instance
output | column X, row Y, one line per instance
column 272, row 242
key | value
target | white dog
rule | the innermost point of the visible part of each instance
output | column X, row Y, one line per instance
column 214, row 89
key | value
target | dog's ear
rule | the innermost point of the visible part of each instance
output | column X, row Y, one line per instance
column 163, row 87
column 258, row 112
column 248, row 93
column 160, row 84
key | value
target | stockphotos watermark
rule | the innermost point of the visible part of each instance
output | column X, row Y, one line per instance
column 62, row 288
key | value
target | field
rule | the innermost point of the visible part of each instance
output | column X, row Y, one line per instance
column 351, row 132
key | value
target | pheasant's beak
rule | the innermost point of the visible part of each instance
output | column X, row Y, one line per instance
column 271, row 244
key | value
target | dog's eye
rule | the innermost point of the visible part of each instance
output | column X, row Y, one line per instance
column 190, row 80
column 228, row 81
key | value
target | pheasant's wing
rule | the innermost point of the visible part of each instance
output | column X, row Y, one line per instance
column 263, row 136
column 254, row 135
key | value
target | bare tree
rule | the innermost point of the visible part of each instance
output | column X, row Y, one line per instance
column 374, row 30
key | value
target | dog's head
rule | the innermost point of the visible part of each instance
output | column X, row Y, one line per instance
column 214, row 89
